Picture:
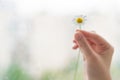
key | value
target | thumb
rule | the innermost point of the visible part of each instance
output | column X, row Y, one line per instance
column 83, row 44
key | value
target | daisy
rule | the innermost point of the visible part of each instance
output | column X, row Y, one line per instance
column 80, row 20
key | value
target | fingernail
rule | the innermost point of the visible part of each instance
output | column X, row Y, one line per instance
column 78, row 36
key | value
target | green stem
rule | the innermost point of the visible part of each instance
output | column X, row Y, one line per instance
column 77, row 64
column 80, row 27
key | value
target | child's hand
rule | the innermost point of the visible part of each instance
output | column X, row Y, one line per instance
column 97, row 54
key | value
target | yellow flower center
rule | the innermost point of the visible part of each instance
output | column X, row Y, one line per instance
column 79, row 20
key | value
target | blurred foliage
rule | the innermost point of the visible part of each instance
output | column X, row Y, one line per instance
column 16, row 72
column 65, row 74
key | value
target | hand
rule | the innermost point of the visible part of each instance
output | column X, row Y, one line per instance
column 97, row 54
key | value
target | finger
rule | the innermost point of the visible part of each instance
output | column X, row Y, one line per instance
column 90, row 42
column 75, row 46
column 98, row 40
column 83, row 44
column 74, row 41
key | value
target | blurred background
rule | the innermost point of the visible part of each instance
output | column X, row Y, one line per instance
column 36, row 37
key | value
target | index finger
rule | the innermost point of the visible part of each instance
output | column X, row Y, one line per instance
column 97, row 39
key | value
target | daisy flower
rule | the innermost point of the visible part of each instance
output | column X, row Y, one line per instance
column 80, row 20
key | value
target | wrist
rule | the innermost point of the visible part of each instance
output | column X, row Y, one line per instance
column 103, row 76
column 97, row 74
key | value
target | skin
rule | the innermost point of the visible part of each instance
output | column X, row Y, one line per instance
column 97, row 53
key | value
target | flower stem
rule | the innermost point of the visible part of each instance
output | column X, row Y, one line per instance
column 80, row 27
column 77, row 63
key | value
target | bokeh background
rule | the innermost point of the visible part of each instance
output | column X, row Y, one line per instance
column 36, row 37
